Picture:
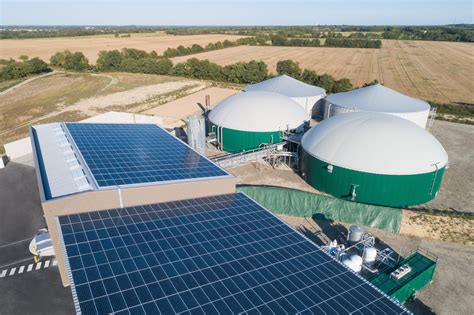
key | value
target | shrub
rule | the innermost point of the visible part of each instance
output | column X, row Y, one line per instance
column 70, row 61
column 109, row 60
column 16, row 70
column 288, row 67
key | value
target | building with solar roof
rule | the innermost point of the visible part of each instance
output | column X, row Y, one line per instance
column 308, row 96
column 85, row 167
column 373, row 158
column 142, row 224
column 379, row 99
column 246, row 121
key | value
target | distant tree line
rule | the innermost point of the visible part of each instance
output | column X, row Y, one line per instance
column 326, row 81
column 139, row 61
column 279, row 40
column 352, row 43
column 11, row 69
column 457, row 32
column 35, row 31
column 436, row 33
column 133, row 60
column 194, row 49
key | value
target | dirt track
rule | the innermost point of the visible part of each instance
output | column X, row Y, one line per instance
column 91, row 45
column 441, row 71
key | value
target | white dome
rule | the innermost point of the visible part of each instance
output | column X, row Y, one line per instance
column 378, row 98
column 259, row 112
column 375, row 143
column 287, row 86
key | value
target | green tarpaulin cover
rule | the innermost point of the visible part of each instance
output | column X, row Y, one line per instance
column 304, row 204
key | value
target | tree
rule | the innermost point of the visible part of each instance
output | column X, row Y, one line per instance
column 261, row 39
column 279, row 40
column 310, row 76
column 179, row 69
column 133, row 53
column 374, row 82
column 23, row 57
column 196, row 48
column 342, row 85
column 37, row 65
column 70, row 61
column 288, row 67
column 154, row 66
column 57, row 60
column 246, row 72
column 76, row 62
column 326, row 82
column 15, row 70
column 109, row 60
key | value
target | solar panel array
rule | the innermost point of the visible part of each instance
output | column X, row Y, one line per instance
column 124, row 154
column 222, row 254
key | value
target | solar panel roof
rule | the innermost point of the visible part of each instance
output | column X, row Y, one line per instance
column 220, row 254
column 127, row 154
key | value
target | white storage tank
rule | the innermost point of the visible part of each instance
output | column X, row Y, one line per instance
column 308, row 96
column 246, row 121
column 370, row 254
column 354, row 263
column 373, row 158
column 380, row 99
column 355, row 233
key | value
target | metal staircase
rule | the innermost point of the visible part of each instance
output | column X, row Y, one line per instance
column 431, row 118
column 264, row 153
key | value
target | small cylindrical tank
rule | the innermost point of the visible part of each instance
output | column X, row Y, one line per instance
column 370, row 253
column 355, row 233
column 356, row 259
column 354, row 263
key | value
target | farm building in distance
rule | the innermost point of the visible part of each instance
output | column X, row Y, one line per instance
column 379, row 99
column 308, row 96
column 373, row 158
column 245, row 121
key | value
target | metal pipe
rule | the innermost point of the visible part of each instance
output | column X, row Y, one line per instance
column 434, row 178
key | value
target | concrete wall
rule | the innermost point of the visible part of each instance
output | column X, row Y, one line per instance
column 18, row 148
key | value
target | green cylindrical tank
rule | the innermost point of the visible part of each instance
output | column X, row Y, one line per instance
column 373, row 158
column 248, row 120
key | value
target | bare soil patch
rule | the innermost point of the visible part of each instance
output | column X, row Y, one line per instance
column 91, row 45
column 176, row 111
column 438, row 71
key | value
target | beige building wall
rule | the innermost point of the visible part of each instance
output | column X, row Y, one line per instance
column 127, row 197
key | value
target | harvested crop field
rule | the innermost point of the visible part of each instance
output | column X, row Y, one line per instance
column 91, row 45
column 438, row 71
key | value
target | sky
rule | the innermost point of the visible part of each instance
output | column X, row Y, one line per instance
column 235, row 12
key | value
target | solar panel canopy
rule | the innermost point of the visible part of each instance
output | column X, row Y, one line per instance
column 127, row 154
column 220, row 254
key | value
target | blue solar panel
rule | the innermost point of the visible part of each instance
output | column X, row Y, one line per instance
column 221, row 254
column 123, row 154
